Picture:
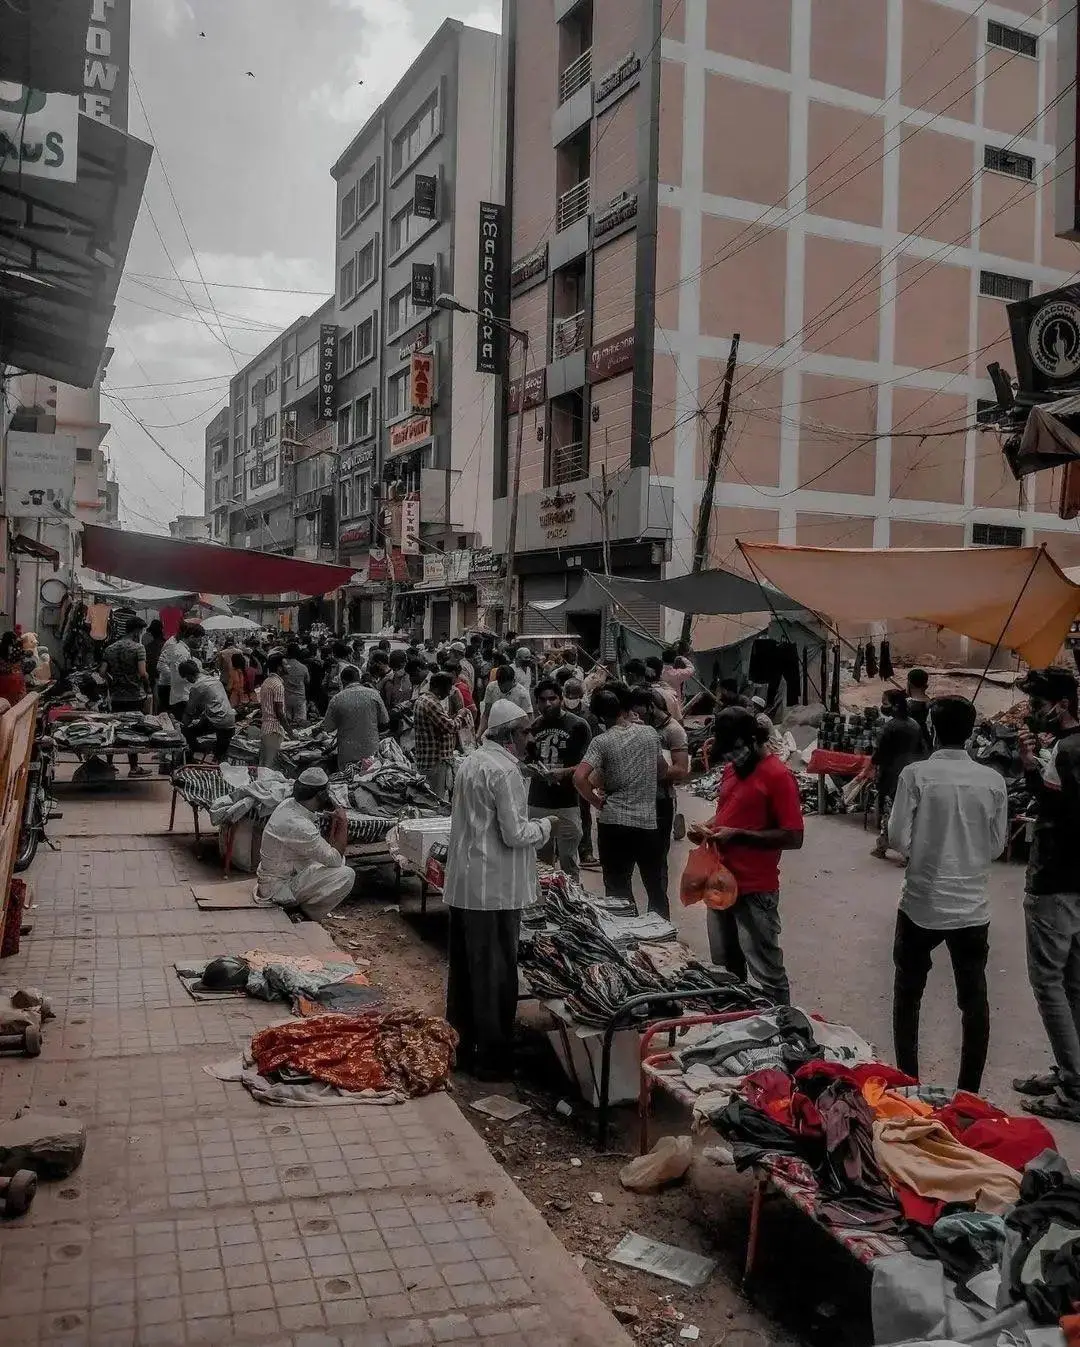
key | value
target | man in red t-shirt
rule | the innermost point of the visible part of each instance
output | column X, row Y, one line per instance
column 758, row 815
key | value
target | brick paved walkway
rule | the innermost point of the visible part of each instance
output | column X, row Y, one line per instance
column 200, row 1216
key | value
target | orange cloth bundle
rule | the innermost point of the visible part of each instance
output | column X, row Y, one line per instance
column 706, row 879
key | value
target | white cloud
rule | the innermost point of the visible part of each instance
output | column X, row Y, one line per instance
column 173, row 14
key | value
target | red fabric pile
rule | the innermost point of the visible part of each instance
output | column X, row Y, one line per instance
column 401, row 1050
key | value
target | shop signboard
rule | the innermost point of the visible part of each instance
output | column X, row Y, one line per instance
column 425, row 196
column 407, row 433
column 535, row 383
column 356, row 535
column 107, row 64
column 423, row 285
column 611, row 358
column 484, row 561
column 39, row 133
column 416, row 342
column 410, row 525
column 531, row 268
column 40, row 480
column 328, row 372
column 489, row 593
column 458, row 566
column 493, row 295
column 422, row 380
column 434, row 569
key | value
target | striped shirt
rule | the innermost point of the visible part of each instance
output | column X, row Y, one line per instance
column 271, row 701
column 492, row 865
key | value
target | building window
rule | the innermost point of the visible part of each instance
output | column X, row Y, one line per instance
column 996, row 285
column 405, row 228
column 83, row 455
column 362, row 492
column 219, row 491
column 400, row 311
column 1008, row 161
column 367, row 190
column 238, row 446
column 270, row 427
column 397, row 395
column 343, row 499
column 411, row 142
column 349, row 214
column 345, row 352
column 347, row 281
column 367, row 261
column 238, row 485
column 308, row 364
column 344, row 426
column 1011, row 39
column 365, row 339
column 253, row 437
column 364, row 417
column 255, row 395
column 996, row 535
column 271, row 382
column 288, row 366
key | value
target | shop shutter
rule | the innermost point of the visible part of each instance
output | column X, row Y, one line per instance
column 537, row 589
column 642, row 615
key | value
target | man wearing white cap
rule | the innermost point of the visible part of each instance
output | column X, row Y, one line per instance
column 490, row 877
column 297, row 866
column 468, row 672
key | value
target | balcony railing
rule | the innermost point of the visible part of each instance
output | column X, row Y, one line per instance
column 572, row 206
column 569, row 463
column 576, row 76
column 569, row 335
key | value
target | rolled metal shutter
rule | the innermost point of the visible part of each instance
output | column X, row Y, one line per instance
column 542, row 589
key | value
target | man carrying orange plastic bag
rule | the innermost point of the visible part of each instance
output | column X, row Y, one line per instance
column 758, row 815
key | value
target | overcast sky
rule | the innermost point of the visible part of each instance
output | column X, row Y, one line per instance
column 248, row 160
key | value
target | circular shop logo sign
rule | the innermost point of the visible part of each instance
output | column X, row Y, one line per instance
column 1054, row 340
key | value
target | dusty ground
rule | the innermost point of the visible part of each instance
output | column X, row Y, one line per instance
column 707, row 1214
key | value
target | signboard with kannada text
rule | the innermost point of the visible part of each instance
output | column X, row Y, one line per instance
column 610, row 358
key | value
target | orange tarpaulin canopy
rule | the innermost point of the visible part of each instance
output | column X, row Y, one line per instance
column 195, row 567
column 1016, row 595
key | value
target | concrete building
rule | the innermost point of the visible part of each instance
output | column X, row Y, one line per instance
column 192, row 528
column 409, row 187
column 857, row 187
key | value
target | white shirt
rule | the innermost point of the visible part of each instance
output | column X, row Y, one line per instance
column 492, row 864
column 291, row 842
column 173, row 653
column 950, row 818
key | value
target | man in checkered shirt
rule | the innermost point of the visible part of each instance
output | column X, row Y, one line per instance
column 435, row 732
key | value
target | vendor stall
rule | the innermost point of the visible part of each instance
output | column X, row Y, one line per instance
column 93, row 738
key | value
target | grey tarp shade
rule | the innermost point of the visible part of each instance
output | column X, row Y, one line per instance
column 707, row 592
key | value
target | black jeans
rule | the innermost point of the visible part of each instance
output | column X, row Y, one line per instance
column 969, row 949
column 585, row 850
column 222, row 738
column 665, row 821
column 482, row 986
column 621, row 848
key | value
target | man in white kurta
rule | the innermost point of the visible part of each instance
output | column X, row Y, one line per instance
column 298, row 867
column 490, row 877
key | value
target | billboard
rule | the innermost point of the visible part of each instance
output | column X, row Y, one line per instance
column 40, row 476
column 493, row 293
column 422, row 380
column 410, row 525
column 39, row 133
column 328, row 372
column 107, row 73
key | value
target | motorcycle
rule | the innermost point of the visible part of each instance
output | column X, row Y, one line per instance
column 39, row 807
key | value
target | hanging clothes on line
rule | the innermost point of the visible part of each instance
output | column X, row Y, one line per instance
column 871, row 660
column 886, row 667
column 860, row 657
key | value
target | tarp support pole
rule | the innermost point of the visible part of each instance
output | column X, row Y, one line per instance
column 1012, row 614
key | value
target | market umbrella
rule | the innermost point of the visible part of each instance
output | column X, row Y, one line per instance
column 222, row 622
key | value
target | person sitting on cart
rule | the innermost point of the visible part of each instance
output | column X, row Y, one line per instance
column 298, row 867
column 206, row 711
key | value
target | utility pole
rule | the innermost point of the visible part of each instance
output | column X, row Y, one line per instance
column 601, row 505
column 515, row 495
column 716, row 452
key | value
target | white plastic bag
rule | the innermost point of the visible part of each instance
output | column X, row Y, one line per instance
column 666, row 1163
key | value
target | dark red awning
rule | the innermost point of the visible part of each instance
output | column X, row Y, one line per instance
column 176, row 564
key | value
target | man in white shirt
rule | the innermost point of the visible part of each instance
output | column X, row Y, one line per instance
column 490, row 878
column 298, row 867
column 950, row 821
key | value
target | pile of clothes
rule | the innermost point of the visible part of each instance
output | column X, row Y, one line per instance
column 130, row 731
column 403, row 1051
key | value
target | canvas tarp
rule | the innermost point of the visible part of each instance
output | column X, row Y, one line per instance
column 203, row 567
column 706, row 592
column 1016, row 595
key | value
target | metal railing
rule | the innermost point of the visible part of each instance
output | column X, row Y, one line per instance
column 569, row 335
column 572, row 206
column 569, row 463
column 576, row 76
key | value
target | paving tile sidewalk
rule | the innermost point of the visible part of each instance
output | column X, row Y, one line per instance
column 200, row 1216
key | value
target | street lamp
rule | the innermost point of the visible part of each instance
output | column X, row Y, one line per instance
column 452, row 305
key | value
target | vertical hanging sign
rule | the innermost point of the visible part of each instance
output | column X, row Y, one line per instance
column 328, row 366
column 493, row 296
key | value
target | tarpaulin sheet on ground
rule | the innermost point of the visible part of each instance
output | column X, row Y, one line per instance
column 1016, row 595
column 198, row 567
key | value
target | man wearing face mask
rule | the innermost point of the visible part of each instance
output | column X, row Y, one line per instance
column 758, row 815
column 1052, row 897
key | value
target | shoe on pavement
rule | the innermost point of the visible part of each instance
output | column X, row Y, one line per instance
column 1037, row 1084
column 1057, row 1106
column 880, row 853
column 134, row 773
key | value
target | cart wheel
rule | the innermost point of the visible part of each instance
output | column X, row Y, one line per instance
column 20, row 1192
column 32, row 1040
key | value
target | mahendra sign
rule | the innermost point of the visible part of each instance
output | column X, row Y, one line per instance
column 492, row 302
column 105, row 81
column 39, row 133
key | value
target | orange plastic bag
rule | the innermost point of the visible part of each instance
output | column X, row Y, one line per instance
column 706, row 879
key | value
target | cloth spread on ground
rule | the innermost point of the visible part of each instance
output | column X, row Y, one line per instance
column 292, row 978
column 297, row 1091
column 924, row 1155
column 1043, row 1255
column 400, row 1050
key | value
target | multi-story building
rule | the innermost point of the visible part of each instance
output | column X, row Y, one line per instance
column 409, row 188
column 192, row 528
column 217, row 474
column 856, row 187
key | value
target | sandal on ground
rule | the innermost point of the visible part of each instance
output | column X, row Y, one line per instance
column 135, row 773
column 1039, row 1083
column 1057, row 1106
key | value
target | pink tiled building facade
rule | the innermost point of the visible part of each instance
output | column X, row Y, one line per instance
column 857, row 188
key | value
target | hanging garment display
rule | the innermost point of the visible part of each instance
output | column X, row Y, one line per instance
column 885, row 663
column 871, row 660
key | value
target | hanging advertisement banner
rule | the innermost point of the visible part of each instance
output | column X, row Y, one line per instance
column 328, row 372
column 40, row 476
column 39, row 133
column 493, row 297
column 423, row 285
column 410, row 525
column 421, row 380
column 425, row 196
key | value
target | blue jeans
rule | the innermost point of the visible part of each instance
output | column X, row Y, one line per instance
column 1052, row 923
column 745, row 938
